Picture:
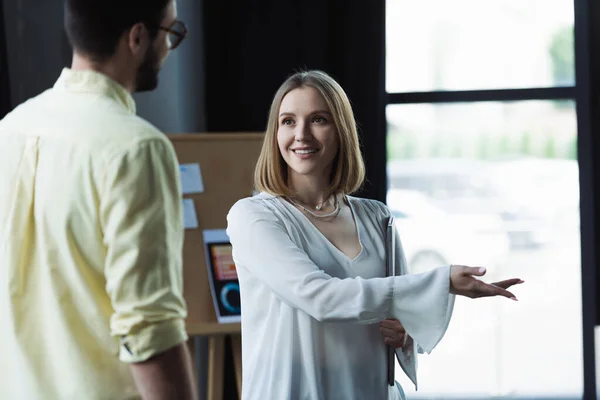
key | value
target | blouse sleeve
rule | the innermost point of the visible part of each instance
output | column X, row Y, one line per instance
column 418, row 332
column 427, row 324
column 262, row 246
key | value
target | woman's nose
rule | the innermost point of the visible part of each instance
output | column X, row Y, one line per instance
column 303, row 132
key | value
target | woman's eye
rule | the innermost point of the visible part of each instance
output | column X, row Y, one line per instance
column 319, row 120
column 287, row 121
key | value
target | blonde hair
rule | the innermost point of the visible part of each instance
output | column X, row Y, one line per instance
column 348, row 172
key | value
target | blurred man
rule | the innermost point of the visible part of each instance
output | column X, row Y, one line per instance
column 91, row 233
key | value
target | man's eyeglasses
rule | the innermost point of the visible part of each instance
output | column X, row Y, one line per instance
column 177, row 32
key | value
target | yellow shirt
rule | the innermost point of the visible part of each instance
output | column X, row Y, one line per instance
column 91, row 237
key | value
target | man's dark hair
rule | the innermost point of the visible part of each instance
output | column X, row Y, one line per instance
column 94, row 27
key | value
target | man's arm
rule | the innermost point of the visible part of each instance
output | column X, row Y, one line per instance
column 166, row 376
column 142, row 224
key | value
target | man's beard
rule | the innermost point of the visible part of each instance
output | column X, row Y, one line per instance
column 147, row 74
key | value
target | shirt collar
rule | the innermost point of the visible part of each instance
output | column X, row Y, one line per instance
column 95, row 82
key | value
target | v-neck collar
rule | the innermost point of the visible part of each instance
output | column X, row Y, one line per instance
column 305, row 219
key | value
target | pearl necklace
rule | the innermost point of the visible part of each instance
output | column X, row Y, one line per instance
column 333, row 214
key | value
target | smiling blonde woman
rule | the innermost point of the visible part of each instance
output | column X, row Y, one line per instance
column 317, row 309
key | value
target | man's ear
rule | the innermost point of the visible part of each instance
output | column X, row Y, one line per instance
column 138, row 39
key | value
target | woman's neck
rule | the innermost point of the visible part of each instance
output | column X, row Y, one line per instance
column 309, row 191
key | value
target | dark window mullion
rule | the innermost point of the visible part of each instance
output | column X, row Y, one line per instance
column 463, row 96
column 587, row 62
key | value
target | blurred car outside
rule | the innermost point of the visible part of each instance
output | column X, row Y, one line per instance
column 432, row 237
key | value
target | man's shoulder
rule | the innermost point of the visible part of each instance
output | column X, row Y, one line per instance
column 136, row 136
column 94, row 119
column 121, row 135
column 119, row 132
column 135, row 129
column 24, row 110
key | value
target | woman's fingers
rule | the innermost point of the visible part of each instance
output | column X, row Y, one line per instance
column 394, row 343
column 392, row 332
column 475, row 271
column 464, row 281
column 508, row 283
column 487, row 290
column 393, row 324
column 394, row 339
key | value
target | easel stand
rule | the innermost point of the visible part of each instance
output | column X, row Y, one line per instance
column 227, row 163
column 216, row 357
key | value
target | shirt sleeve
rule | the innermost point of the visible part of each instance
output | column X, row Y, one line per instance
column 141, row 219
column 262, row 245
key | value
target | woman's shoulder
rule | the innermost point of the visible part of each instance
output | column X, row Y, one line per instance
column 370, row 206
column 258, row 203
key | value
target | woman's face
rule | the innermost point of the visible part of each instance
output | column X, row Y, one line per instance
column 307, row 137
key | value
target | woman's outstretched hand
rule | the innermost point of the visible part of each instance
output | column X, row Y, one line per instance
column 463, row 282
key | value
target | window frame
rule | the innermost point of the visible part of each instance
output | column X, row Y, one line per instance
column 586, row 95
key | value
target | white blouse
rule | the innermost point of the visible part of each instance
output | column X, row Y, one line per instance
column 310, row 314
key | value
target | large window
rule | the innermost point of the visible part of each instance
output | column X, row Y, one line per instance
column 482, row 170
column 473, row 44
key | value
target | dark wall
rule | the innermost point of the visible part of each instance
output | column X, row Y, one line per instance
column 5, row 103
column 177, row 105
column 252, row 46
column 38, row 50
column 36, row 46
